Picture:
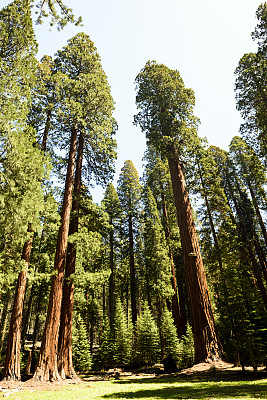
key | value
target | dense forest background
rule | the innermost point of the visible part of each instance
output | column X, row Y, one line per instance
column 172, row 263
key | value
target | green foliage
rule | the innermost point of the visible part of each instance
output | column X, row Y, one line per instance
column 106, row 350
column 166, row 114
column 156, row 251
column 59, row 13
column 22, row 166
column 84, row 100
column 17, row 63
column 123, row 337
column 186, row 352
column 182, row 350
column 81, row 349
column 147, row 338
column 169, row 339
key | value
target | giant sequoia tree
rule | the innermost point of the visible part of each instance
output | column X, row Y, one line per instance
column 166, row 117
column 84, row 111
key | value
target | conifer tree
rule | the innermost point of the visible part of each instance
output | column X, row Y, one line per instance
column 86, row 110
column 168, row 336
column 106, row 350
column 81, row 348
column 129, row 191
column 166, row 117
column 157, row 261
column 147, row 338
column 111, row 205
column 123, row 337
column 253, row 176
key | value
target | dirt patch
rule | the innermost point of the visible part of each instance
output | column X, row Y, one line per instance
column 9, row 387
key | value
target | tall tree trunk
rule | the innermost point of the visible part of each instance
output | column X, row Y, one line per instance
column 132, row 272
column 65, row 363
column 206, row 343
column 12, row 363
column 46, row 368
column 176, row 312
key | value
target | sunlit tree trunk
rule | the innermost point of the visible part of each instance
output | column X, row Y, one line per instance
column 65, row 364
column 206, row 343
column 46, row 368
column 12, row 363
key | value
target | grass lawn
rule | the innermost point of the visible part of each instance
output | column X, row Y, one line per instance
column 206, row 386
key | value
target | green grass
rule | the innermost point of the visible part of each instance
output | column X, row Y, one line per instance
column 202, row 387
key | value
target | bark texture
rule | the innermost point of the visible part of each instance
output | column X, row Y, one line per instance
column 46, row 368
column 207, row 345
column 12, row 362
column 180, row 322
column 65, row 364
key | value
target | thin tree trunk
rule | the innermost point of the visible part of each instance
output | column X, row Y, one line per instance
column 132, row 272
column 46, row 130
column 248, row 243
column 214, row 235
column 12, row 363
column 46, row 368
column 111, row 280
column 255, row 203
column 206, row 343
column 65, row 363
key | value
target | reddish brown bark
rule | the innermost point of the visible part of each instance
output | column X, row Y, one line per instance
column 46, row 368
column 206, row 343
column 65, row 364
column 12, row 363
column 176, row 312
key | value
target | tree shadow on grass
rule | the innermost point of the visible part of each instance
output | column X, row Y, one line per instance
column 195, row 391
column 202, row 376
column 204, row 385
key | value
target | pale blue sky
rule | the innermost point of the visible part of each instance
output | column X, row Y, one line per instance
column 204, row 40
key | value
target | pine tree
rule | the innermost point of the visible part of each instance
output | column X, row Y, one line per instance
column 81, row 347
column 168, row 334
column 123, row 337
column 156, row 252
column 111, row 205
column 106, row 349
column 129, row 191
column 147, row 338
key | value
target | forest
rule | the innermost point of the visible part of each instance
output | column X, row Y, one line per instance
column 170, row 264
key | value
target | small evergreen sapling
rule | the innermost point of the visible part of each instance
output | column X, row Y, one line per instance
column 82, row 359
column 123, row 342
column 147, row 338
